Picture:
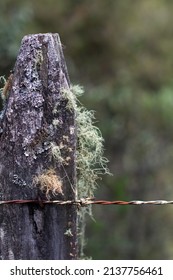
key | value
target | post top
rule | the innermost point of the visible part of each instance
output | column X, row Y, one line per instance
column 41, row 37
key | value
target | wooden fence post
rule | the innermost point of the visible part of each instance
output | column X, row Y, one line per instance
column 37, row 155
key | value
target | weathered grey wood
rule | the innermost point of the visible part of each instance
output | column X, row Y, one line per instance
column 36, row 116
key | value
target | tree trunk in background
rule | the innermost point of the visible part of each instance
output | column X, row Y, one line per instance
column 36, row 118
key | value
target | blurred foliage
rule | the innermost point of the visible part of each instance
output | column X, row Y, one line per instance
column 13, row 20
column 122, row 52
column 14, row 16
column 138, row 137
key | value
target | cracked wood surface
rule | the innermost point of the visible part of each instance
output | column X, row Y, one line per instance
column 27, row 132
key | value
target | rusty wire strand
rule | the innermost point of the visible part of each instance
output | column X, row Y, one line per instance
column 88, row 201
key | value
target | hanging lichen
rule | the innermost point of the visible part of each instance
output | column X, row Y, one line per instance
column 90, row 162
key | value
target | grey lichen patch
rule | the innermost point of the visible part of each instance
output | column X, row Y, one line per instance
column 27, row 100
column 66, row 138
column 2, row 234
column 72, row 130
column 36, row 149
column 49, row 182
column 38, row 59
column 55, row 109
column 10, row 254
column 56, row 153
column 56, row 122
column 42, row 147
column 18, row 181
column 68, row 232
column 34, row 145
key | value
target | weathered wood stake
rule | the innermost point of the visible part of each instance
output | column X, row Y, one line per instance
column 37, row 119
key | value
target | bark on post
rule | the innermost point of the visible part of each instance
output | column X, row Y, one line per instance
column 36, row 120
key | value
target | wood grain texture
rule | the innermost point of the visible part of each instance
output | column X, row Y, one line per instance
column 27, row 131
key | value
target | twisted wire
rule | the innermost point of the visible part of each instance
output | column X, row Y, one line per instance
column 88, row 201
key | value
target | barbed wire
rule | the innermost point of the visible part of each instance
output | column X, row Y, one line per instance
column 88, row 201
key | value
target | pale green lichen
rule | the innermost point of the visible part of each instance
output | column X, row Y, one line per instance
column 68, row 232
column 71, row 96
column 56, row 122
column 90, row 162
column 38, row 59
column 89, row 154
column 3, row 82
column 56, row 152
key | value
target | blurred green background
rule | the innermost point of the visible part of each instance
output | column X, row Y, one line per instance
column 122, row 53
